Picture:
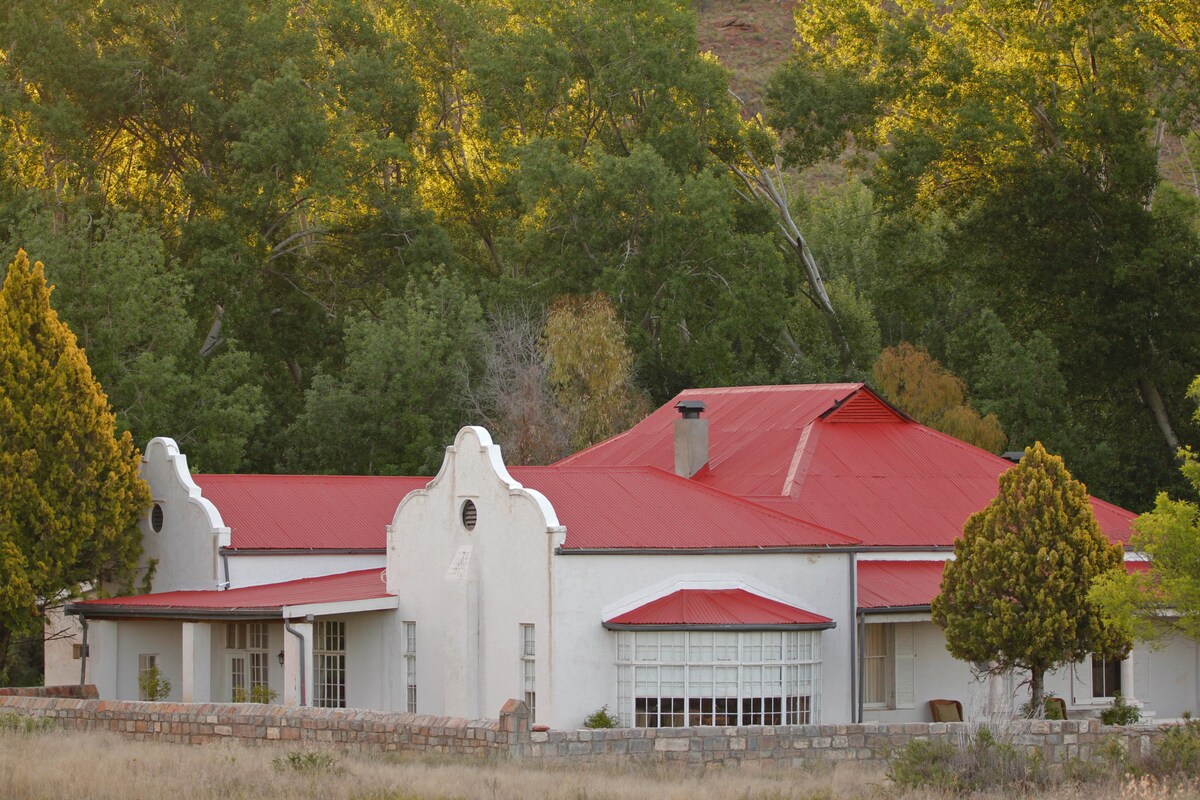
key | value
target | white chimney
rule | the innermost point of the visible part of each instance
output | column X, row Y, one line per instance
column 691, row 438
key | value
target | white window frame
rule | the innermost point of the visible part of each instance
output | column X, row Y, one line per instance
column 898, row 664
column 679, row 678
column 878, row 673
column 249, row 643
column 410, row 666
column 529, row 668
column 1105, row 693
column 329, row 663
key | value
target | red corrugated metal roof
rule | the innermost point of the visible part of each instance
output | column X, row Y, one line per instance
column 872, row 475
column 913, row 584
column 753, row 433
column 686, row 608
column 898, row 584
column 645, row 507
column 319, row 512
column 366, row 584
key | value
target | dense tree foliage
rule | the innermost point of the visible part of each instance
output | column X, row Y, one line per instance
column 260, row 214
column 1166, row 598
column 917, row 383
column 1016, row 594
column 1029, row 135
column 589, row 368
column 70, row 495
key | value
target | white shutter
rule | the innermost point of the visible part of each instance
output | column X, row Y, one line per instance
column 905, row 657
column 1141, row 674
column 1081, row 682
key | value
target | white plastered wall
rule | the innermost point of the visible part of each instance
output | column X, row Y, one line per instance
column 469, row 591
column 371, row 654
column 1165, row 681
column 260, row 568
column 590, row 588
column 186, row 548
column 63, row 633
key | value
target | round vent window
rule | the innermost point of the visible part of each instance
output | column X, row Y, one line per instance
column 156, row 518
column 469, row 514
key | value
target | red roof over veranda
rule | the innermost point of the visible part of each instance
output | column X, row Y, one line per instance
column 912, row 585
column 267, row 600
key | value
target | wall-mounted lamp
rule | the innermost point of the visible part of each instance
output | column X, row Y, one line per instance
column 280, row 657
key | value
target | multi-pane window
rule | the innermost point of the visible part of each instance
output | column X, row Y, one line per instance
column 329, row 663
column 247, row 646
column 410, row 665
column 669, row 679
column 1106, row 676
column 875, row 664
column 147, row 668
column 528, row 670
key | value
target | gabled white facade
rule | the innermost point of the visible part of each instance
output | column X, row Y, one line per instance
column 486, row 604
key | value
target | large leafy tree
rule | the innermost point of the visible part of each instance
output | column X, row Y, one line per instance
column 1165, row 599
column 127, row 303
column 70, row 495
column 915, row 381
column 400, row 396
column 1016, row 594
column 1033, row 129
column 591, row 368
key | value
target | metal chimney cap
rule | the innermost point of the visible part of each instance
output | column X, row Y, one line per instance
column 690, row 409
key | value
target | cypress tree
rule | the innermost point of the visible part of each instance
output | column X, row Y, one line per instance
column 1016, row 593
column 70, row 494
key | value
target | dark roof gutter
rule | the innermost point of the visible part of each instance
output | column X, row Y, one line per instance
column 700, row 551
column 303, row 551
column 175, row 613
column 896, row 609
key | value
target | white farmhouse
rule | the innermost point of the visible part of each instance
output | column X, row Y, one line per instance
column 755, row 555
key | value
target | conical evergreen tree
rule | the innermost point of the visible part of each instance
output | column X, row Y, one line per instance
column 1016, row 593
column 70, row 495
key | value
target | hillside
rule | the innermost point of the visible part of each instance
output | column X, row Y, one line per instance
column 751, row 37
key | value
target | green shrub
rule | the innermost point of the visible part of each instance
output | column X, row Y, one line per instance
column 984, row 763
column 15, row 722
column 1051, row 709
column 1111, row 752
column 153, row 686
column 257, row 694
column 600, row 719
column 306, row 761
column 1120, row 712
column 1177, row 752
column 924, row 763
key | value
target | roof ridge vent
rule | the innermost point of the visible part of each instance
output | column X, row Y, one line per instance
column 863, row 407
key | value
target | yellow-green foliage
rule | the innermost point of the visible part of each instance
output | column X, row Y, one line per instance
column 915, row 381
column 1017, row 592
column 591, row 367
column 1170, row 536
column 70, row 495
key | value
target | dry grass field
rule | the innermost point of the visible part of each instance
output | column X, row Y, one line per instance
column 48, row 765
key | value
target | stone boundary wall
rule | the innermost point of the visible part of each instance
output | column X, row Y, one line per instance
column 1057, row 741
column 511, row 737
column 252, row 723
column 87, row 692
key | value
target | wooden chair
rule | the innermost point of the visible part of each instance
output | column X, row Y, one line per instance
column 1060, row 704
column 946, row 710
